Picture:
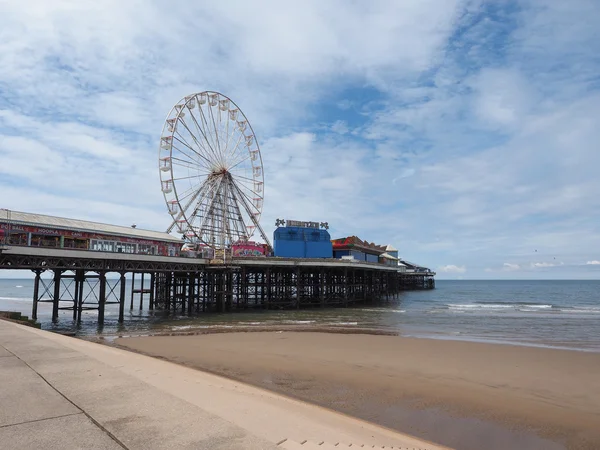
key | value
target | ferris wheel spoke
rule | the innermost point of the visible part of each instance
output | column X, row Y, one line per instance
column 227, row 132
column 238, row 213
column 246, row 198
column 181, row 140
column 241, row 135
column 246, row 185
column 191, row 159
column 238, row 148
column 208, row 130
column 192, row 193
column 182, row 210
column 182, row 163
column 199, row 128
column 195, row 140
column 227, row 148
column 212, row 116
column 188, row 178
column 210, row 205
column 253, row 218
column 245, row 178
column 239, row 162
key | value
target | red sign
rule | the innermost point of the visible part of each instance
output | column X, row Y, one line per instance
column 245, row 249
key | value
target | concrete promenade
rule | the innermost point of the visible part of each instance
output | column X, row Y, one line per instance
column 58, row 392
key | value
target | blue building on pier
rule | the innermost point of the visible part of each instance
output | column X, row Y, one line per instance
column 302, row 240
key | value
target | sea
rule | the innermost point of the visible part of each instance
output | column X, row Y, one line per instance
column 556, row 314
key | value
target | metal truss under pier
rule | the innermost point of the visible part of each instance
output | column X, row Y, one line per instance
column 79, row 282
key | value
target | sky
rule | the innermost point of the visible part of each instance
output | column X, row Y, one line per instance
column 465, row 133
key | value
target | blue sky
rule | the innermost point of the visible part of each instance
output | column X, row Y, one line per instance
column 465, row 133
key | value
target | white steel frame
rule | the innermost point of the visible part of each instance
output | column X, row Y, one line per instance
column 211, row 171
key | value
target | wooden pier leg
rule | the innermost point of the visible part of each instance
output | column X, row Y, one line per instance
column 168, row 294
column 142, row 287
column 36, row 294
column 322, row 288
column 75, row 295
column 220, row 286
column 132, row 289
column 152, row 288
column 243, row 289
column 204, row 289
column 269, row 287
column 80, row 296
column 56, row 298
column 102, row 298
column 346, row 286
column 190, row 293
column 298, row 288
column 78, row 281
column 122, row 294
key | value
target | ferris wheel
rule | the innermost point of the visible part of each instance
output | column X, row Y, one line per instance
column 211, row 171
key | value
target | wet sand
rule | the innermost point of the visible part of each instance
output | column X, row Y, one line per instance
column 461, row 394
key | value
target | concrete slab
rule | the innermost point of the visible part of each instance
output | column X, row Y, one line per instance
column 4, row 352
column 138, row 414
column 25, row 396
column 70, row 432
column 147, row 403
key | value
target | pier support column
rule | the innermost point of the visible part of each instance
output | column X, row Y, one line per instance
column 36, row 294
column 229, row 290
column 169, row 284
column 346, row 286
column 190, row 293
column 322, row 288
column 122, row 294
column 152, row 288
column 132, row 290
column 142, row 287
column 243, row 286
column 298, row 288
column 101, row 298
column 204, row 289
column 78, row 297
column 220, row 291
column 56, row 297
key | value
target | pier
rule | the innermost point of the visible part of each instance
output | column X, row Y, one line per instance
column 191, row 286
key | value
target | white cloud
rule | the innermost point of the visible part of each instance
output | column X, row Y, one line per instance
column 593, row 263
column 544, row 264
column 451, row 268
column 340, row 127
column 451, row 135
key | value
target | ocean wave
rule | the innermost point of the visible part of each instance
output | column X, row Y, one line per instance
column 383, row 310
column 589, row 310
column 524, row 307
column 499, row 305
column 19, row 299
column 299, row 322
column 499, row 302
column 480, row 306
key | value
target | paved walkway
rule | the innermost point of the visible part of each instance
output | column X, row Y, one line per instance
column 58, row 392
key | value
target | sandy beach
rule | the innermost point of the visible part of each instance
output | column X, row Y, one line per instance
column 461, row 394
